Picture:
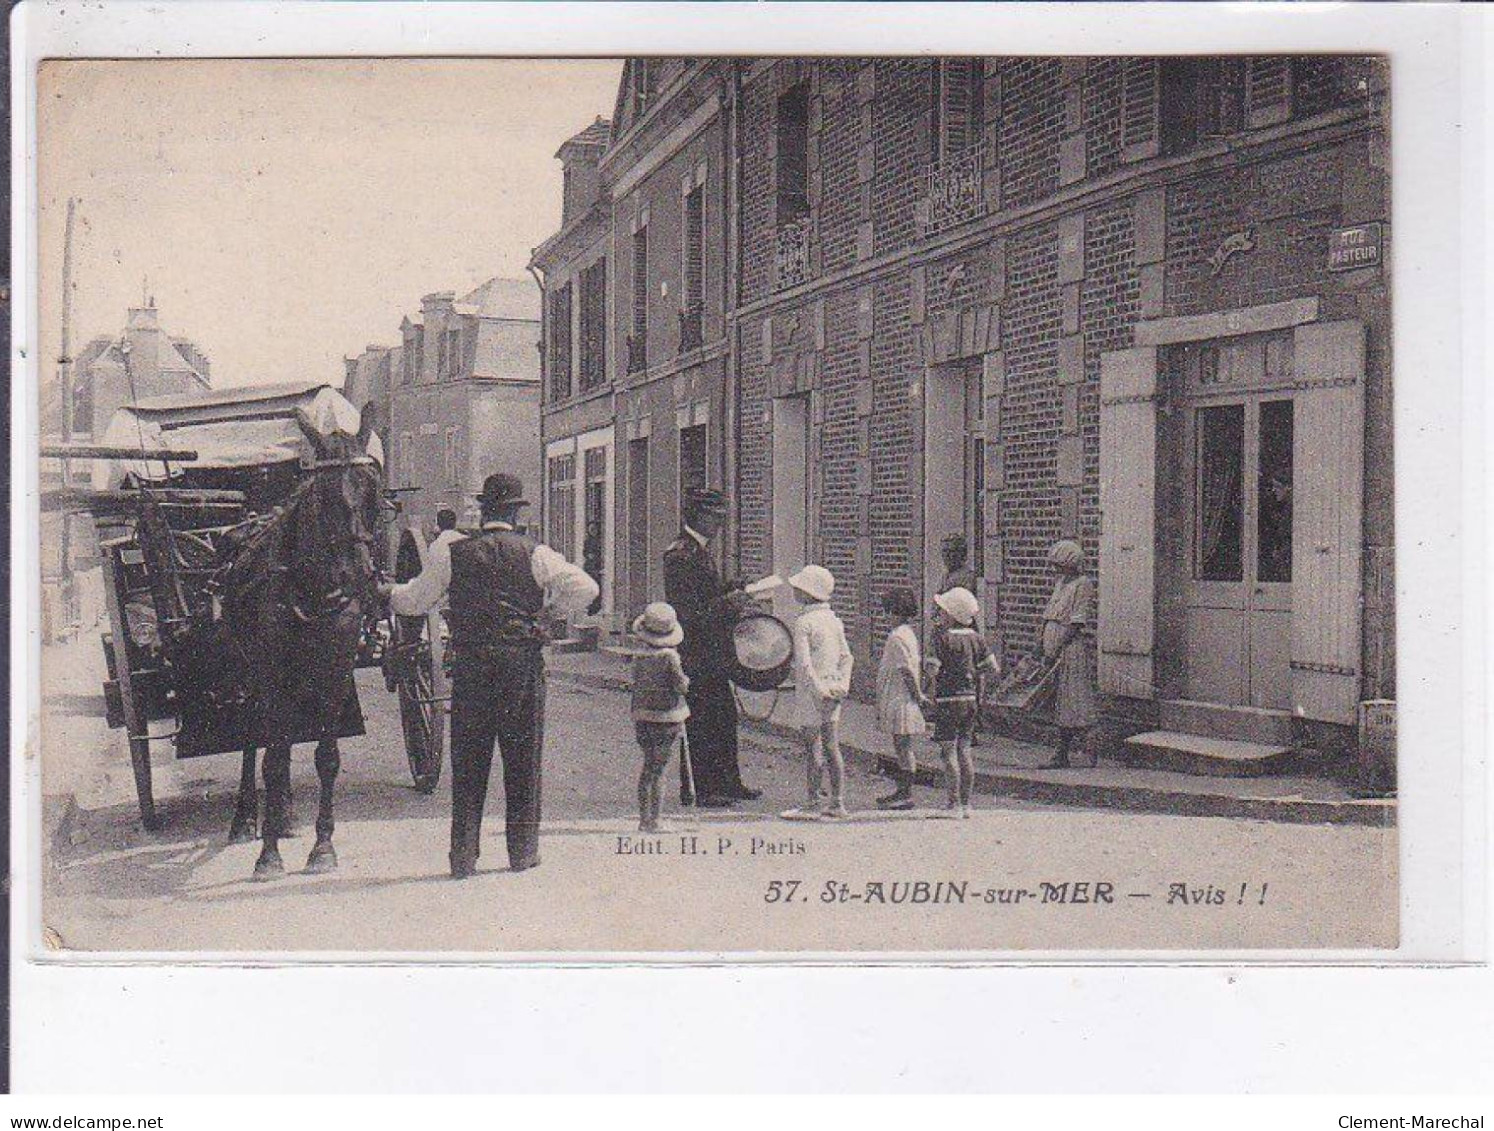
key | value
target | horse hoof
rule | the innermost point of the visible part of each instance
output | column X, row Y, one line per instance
column 242, row 832
column 269, row 866
column 323, row 859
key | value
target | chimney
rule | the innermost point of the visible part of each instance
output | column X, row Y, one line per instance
column 143, row 335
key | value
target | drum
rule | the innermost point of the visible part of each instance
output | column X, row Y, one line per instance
column 763, row 649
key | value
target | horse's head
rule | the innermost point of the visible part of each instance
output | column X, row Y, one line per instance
column 338, row 525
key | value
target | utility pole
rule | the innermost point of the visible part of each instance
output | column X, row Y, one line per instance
column 65, row 375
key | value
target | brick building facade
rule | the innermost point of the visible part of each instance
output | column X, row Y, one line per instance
column 1139, row 302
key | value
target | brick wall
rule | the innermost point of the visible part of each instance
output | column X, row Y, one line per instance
column 1066, row 288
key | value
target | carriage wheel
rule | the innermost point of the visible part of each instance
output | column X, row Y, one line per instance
column 420, row 717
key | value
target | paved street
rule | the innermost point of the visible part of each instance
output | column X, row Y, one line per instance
column 995, row 882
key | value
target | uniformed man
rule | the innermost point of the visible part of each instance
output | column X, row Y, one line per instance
column 707, row 612
column 501, row 585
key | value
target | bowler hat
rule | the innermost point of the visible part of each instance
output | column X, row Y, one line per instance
column 502, row 489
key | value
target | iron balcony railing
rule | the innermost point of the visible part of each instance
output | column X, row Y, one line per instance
column 791, row 254
column 956, row 189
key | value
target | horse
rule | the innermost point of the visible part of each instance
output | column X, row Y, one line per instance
column 292, row 602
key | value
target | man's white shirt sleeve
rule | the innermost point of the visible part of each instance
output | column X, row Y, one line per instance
column 421, row 594
column 568, row 588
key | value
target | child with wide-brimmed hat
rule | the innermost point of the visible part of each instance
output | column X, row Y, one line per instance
column 822, row 680
column 659, row 709
column 961, row 659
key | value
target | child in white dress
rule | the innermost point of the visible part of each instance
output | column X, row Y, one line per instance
column 900, row 697
column 822, row 680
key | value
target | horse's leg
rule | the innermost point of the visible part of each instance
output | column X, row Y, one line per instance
column 323, row 856
column 277, row 796
column 246, row 811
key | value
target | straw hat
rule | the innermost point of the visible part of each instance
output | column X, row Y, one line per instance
column 659, row 626
column 817, row 581
column 960, row 604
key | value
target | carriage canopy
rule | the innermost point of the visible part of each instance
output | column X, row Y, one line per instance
column 250, row 426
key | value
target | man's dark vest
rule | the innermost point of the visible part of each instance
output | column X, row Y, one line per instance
column 494, row 597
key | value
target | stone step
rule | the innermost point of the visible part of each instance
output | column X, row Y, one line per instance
column 1243, row 724
column 1205, row 755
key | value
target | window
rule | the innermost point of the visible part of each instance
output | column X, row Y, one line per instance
column 1220, row 527
column 451, row 463
column 958, row 111
column 82, row 408
column 594, row 325
column 561, row 512
column 420, row 353
column 560, row 343
column 405, row 458
column 453, row 353
column 638, row 339
column 692, row 460
column 645, row 73
column 1273, row 539
column 793, row 154
column 1268, row 90
column 594, row 518
column 693, row 270
column 407, row 362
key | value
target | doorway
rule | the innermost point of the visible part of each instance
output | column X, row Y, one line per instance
column 1237, row 432
column 638, row 556
column 954, row 468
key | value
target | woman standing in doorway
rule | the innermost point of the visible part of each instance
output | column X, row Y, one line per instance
column 1065, row 637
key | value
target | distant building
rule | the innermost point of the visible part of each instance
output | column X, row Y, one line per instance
column 107, row 373
column 143, row 361
column 463, row 396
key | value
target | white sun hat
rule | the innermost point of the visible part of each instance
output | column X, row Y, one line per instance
column 959, row 603
column 815, row 580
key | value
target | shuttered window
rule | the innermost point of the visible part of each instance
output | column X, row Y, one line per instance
column 594, row 325
column 1140, row 98
column 1327, row 543
column 638, row 340
column 560, row 343
column 692, row 268
column 1128, row 521
column 958, row 96
column 1268, row 90
column 560, row 521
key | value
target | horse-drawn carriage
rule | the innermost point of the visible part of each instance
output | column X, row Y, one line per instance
column 239, row 537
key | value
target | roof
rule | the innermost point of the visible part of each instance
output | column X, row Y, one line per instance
column 246, row 426
column 171, row 360
column 514, row 299
column 594, row 136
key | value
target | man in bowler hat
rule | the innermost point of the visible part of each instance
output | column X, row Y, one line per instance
column 501, row 586
column 707, row 612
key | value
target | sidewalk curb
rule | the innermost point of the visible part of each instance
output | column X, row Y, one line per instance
column 1027, row 786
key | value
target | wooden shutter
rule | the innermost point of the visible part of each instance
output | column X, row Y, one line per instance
column 1140, row 96
column 1327, row 537
column 1268, row 90
column 1128, row 488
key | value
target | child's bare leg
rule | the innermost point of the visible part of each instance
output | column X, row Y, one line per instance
column 951, row 774
column 813, row 767
column 830, row 739
column 656, row 789
column 645, row 785
column 967, row 770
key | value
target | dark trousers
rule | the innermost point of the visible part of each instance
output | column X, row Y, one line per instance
column 497, row 695
column 712, row 733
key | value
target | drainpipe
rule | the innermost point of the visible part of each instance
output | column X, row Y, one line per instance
column 731, row 286
column 544, row 493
